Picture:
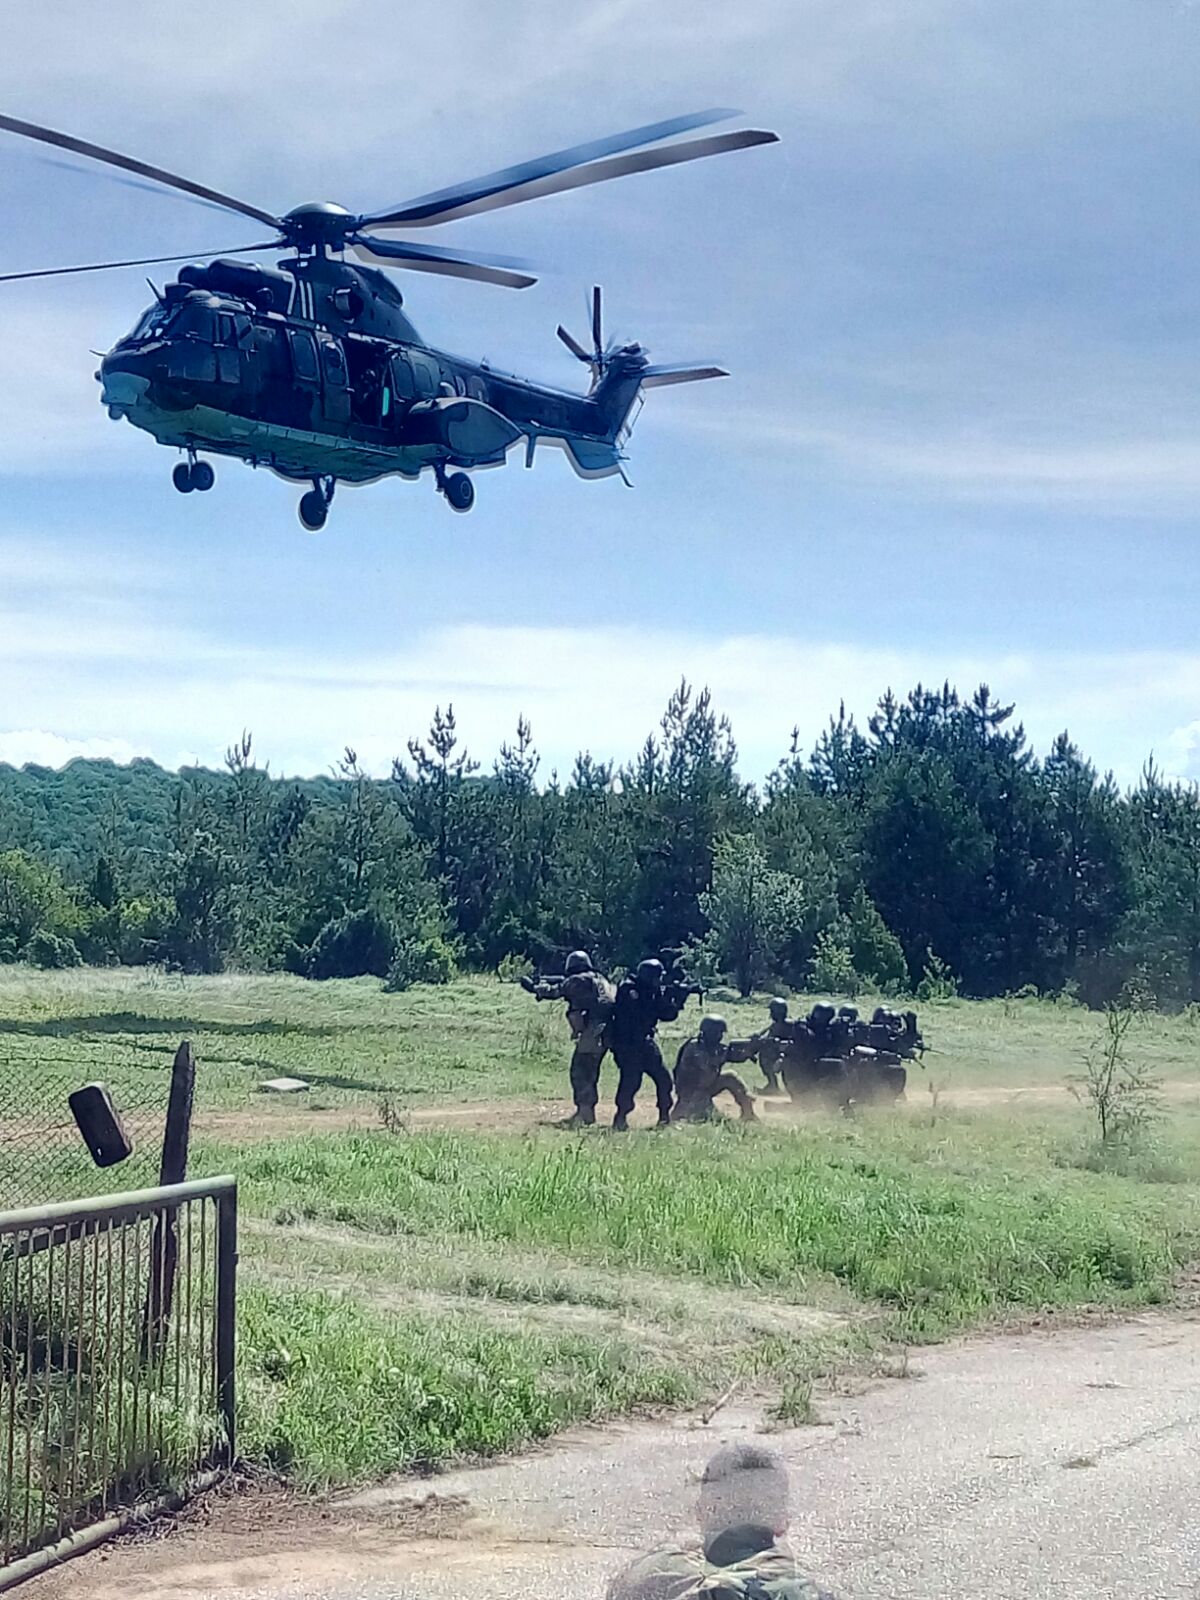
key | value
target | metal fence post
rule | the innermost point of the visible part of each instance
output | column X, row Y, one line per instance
column 164, row 1253
column 227, row 1235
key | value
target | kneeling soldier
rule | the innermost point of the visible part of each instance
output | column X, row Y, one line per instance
column 700, row 1073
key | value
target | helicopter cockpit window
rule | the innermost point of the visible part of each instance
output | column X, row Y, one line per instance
column 153, row 323
column 196, row 320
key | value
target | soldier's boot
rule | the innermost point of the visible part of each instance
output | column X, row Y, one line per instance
column 620, row 1123
column 734, row 1086
column 577, row 1119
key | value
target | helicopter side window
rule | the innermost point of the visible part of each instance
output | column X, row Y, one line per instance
column 402, row 377
column 227, row 354
column 304, row 356
column 335, row 363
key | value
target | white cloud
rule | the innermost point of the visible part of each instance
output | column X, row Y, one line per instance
column 45, row 749
column 99, row 678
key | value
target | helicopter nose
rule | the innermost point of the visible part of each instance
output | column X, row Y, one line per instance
column 121, row 389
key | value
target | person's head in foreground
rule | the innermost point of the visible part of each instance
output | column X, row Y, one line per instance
column 743, row 1502
column 743, row 1511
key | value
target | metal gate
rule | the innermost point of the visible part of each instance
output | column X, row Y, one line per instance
column 117, row 1342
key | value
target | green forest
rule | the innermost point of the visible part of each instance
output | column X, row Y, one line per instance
column 930, row 852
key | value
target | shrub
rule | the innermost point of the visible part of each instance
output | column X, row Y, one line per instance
column 52, row 950
column 513, row 968
column 420, row 959
column 1125, row 1096
column 360, row 944
column 832, row 969
column 938, row 982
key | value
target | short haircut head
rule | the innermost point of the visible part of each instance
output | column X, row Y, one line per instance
column 744, row 1486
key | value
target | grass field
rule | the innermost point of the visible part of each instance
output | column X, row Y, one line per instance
column 420, row 1285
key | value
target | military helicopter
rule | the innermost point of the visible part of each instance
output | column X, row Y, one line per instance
column 312, row 367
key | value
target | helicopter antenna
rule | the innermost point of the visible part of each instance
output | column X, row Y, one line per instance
column 156, row 292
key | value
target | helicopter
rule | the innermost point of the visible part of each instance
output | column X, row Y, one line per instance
column 312, row 367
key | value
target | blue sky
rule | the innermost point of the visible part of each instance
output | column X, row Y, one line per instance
column 962, row 436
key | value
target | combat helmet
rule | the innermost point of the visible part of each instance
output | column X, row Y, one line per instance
column 778, row 1009
column 650, row 972
column 821, row 1016
column 712, row 1029
column 577, row 961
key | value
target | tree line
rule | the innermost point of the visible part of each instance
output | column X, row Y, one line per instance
column 929, row 851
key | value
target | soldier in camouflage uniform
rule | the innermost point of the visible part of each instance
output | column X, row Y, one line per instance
column 772, row 1041
column 589, row 998
column 700, row 1074
column 743, row 1516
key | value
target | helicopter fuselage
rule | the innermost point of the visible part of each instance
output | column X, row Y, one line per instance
column 316, row 372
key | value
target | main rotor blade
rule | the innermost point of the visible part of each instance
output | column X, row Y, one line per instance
column 142, row 261
column 597, row 172
column 661, row 377
column 573, row 345
column 476, row 192
column 449, row 263
column 81, row 147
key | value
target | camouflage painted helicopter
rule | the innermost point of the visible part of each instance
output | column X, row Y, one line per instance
column 312, row 367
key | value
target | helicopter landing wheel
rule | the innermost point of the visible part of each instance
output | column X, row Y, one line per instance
column 314, row 506
column 459, row 491
column 191, row 474
column 313, row 510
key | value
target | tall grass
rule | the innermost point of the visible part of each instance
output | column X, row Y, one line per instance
column 774, row 1213
column 333, row 1391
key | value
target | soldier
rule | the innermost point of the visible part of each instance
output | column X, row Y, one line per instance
column 589, row 998
column 700, row 1074
column 811, row 1061
column 772, row 1041
column 641, row 1004
column 743, row 1517
column 911, row 1043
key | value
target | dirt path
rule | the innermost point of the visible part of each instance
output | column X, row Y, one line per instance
column 1055, row 1463
column 519, row 1115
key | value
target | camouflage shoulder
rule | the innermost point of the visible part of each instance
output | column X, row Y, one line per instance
column 667, row 1574
column 773, row 1576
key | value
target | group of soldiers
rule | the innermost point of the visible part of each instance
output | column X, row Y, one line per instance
column 831, row 1054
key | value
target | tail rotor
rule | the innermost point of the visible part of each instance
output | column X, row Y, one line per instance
column 597, row 356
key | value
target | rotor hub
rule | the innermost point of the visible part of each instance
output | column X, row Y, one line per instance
column 318, row 222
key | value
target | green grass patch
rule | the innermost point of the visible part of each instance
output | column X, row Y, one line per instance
column 779, row 1213
column 333, row 1391
column 410, row 1297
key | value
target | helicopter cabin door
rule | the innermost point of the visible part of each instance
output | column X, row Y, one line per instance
column 337, row 379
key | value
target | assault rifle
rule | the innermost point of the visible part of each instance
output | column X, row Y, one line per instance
column 677, row 984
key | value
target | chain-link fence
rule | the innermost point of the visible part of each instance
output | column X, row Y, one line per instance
column 43, row 1156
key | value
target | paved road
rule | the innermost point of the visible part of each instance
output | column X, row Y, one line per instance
column 1063, row 1464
